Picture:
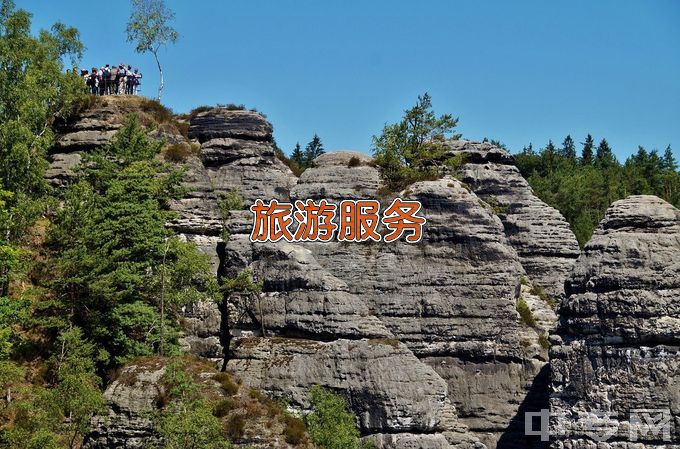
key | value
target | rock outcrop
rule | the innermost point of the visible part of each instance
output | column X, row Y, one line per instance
column 446, row 305
column 97, row 124
column 541, row 236
column 130, row 398
column 616, row 363
column 424, row 340
column 140, row 392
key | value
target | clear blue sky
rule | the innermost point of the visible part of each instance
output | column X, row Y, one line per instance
column 519, row 72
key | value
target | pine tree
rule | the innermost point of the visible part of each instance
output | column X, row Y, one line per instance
column 298, row 156
column 313, row 150
column 604, row 155
column 587, row 153
column 550, row 154
column 415, row 147
column 568, row 149
column 669, row 162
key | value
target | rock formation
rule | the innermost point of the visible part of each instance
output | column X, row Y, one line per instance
column 446, row 304
column 97, row 124
column 616, row 365
column 424, row 340
column 541, row 236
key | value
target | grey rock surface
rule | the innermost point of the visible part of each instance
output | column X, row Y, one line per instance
column 541, row 236
column 345, row 175
column 619, row 336
column 129, row 399
column 228, row 123
column 96, row 126
column 384, row 383
column 424, row 340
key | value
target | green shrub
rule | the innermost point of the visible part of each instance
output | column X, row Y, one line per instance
column 235, row 426
column 544, row 341
column 525, row 312
column 160, row 113
column 227, row 383
column 183, row 128
column 178, row 152
column 294, row 430
column 223, row 407
column 331, row 425
column 354, row 162
column 197, row 110
column 415, row 148
column 541, row 293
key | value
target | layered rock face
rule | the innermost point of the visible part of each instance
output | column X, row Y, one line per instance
column 541, row 236
column 450, row 299
column 437, row 317
column 616, row 368
column 424, row 340
column 96, row 126
column 130, row 398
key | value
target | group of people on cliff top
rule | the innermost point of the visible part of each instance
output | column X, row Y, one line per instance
column 113, row 80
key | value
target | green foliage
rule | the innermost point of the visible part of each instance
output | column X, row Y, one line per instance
column 288, row 162
column 187, row 421
column 413, row 149
column 354, row 162
column 149, row 28
column 543, row 295
column 525, row 313
column 223, row 407
column 191, row 426
column 34, row 92
column 77, row 396
column 294, row 430
column 544, row 341
column 298, row 156
column 227, row 202
column 242, row 283
column 227, row 383
column 58, row 416
column 331, row 425
column 313, row 150
column 135, row 332
column 113, row 260
column 178, row 152
column 582, row 189
column 235, row 426
column 300, row 159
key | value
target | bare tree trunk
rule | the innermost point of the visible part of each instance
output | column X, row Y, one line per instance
column 165, row 253
column 160, row 71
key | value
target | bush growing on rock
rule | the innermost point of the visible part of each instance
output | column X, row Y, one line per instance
column 354, row 162
column 331, row 425
column 413, row 149
column 525, row 313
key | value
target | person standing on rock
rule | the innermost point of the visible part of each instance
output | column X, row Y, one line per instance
column 93, row 81
column 106, row 80
column 122, row 78
column 113, row 80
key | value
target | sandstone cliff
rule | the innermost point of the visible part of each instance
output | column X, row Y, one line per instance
column 367, row 319
column 424, row 340
column 620, row 332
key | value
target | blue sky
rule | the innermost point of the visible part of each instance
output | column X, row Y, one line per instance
column 518, row 72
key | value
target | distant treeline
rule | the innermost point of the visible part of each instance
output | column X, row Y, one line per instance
column 582, row 187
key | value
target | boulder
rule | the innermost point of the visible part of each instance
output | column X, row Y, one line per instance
column 223, row 122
